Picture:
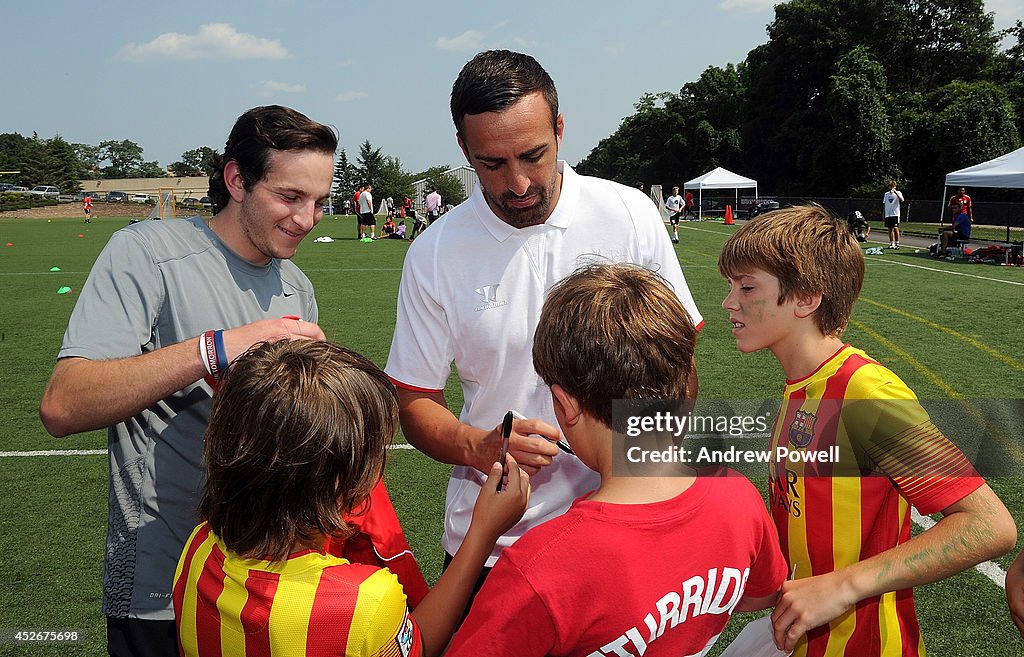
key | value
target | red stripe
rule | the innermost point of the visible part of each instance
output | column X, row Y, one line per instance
column 178, row 592
column 208, row 588
column 334, row 605
column 819, row 521
column 867, row 637
column 260, row 588
column 406, row 386
column 910, row 631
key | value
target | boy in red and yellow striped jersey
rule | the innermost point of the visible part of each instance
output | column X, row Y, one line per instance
column 296, row 442
column 844, row 521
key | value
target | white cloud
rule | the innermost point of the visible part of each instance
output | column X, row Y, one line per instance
column 468, row 40
column 214, row 41
column 351, row 95
column 523, row 44
column 748, row 5
column 273, row 88
column 1007, row 11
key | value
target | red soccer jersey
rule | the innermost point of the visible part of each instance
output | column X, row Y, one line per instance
column 835, row 512
column 628, row 579
column 312, row 604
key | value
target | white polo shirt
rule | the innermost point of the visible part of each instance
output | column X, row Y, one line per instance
column 471, row 292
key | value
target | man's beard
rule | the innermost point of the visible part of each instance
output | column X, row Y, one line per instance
column 523, row 217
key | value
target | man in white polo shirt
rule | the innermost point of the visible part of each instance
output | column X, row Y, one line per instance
column 473, row 286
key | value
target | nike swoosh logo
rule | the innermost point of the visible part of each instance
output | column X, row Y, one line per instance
column 288, row 294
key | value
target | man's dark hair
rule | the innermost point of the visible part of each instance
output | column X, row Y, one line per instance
column 296, row 441
column 256, row 133
column 496, row 79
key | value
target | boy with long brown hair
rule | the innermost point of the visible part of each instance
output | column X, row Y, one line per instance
column 297, row 442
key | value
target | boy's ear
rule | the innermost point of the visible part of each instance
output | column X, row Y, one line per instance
column 806, row 305
column 567, row 405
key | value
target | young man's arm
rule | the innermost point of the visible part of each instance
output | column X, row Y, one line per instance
column 494, row 514
column 85, row 394
column 430, row 427
column 976, row 528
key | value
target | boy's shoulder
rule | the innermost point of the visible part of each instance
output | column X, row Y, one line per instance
column 851, row 373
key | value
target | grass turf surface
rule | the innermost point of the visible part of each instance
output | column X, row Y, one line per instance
column 948, row 328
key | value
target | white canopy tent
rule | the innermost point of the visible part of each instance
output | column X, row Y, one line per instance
column 720, row 178
column 1005, row 171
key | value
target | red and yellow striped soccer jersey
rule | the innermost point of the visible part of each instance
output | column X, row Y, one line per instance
column 833, row 513
column 313, row 604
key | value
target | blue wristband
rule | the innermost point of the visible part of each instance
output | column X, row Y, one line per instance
column 222, row 358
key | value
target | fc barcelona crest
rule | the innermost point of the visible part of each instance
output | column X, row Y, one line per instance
column 801, row 432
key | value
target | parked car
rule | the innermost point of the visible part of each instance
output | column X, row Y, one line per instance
column 48, row 191
column 17, row 189
column 190, row 202
column 140, row 198
column 5, row 186
column 206, row 202
column 116, row 197
column 762, row 206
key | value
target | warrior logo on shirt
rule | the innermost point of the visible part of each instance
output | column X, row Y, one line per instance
column 489, row 296
column 801, row 432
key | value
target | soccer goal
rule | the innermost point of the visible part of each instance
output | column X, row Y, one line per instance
column 659, row 201
column 164, row 207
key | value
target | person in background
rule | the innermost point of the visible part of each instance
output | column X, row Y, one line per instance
column 891, row 212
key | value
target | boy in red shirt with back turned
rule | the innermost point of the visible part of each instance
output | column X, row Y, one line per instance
column 644, row 565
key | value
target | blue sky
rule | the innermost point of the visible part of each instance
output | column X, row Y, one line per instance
column 172, row 76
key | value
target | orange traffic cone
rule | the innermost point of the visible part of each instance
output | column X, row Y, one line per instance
column 728, row 215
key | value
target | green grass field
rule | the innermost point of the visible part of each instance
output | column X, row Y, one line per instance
column 950, row 329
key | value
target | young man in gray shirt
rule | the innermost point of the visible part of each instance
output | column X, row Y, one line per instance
column 166, row 307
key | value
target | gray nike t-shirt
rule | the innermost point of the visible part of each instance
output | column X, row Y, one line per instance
column 157, row 283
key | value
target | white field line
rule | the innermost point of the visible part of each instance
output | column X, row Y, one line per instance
column 103, row 452
column 878, row 260
column 989, row 569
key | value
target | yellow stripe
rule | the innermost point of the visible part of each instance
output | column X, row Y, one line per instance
column 378, row 615
column 291, row 620
column 1001, row 357
column 188, row 635
column 951, row 392
column 846, row 532
column 888, row 620
column 230, row 603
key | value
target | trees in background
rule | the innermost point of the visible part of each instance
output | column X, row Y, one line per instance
column 196, row 162
column 39, row 161
column 384, row 172
column 446, row 184
column 842, row 96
